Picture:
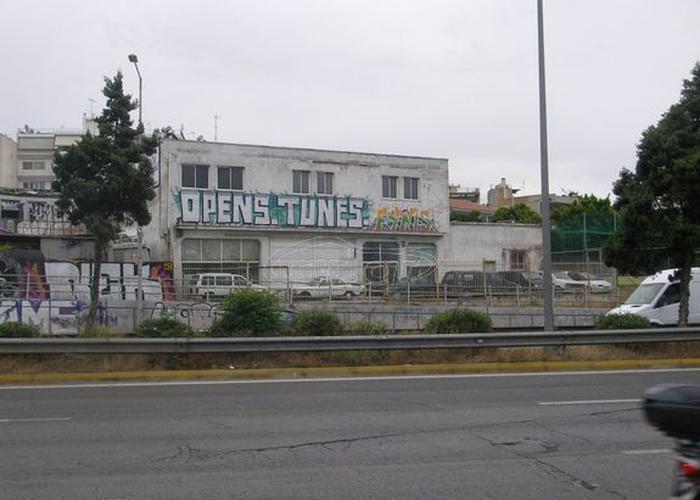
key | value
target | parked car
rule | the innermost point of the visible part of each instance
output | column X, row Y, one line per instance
column 326, row 287
column 476, row 283
column 565, row 283
column 213, row 285
column 423, row 286
column 578, row 279
column 527, row 280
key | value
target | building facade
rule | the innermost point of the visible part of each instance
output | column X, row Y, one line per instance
column 35, row 150
column 8, row 162
column 31, row 221
column 275, row 214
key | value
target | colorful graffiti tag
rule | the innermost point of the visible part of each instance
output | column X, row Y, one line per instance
column 26, row 274
column 274, row 209
column 399, row 219
column 265, row 209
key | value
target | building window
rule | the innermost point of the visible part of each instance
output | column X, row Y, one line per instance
column 410, row 188
column 324, row 182
column 380, row 264
column 421, row 262
column 230, row 178
column 300, row 181
column 518, row 260
column 220, row 256
column 195, row 176
column 32, row 165
column 35, row 185
column 389, row 186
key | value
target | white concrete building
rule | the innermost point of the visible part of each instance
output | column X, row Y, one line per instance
column 35, row 150
column 275, row 212
column 8, row 162
column 494, row 246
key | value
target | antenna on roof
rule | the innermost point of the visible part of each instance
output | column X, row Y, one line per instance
column 216, row 127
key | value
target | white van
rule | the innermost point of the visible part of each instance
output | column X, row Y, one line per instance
column 217, row 285
column 657, row 298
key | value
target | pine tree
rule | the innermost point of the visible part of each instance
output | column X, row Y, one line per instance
column 659, row 203
column 106, row 181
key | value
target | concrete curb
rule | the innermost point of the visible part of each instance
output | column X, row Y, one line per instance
column 349, row 371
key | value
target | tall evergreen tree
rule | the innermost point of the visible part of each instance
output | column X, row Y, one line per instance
column 106, row 181
column 659, row 203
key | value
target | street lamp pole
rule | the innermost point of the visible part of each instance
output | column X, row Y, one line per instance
column 134, row 59
column 544, row 169
column 139, row 231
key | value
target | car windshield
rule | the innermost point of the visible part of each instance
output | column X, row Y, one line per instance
column 562, row 275
column 644, row 294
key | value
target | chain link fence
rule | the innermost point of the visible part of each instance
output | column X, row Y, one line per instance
column 480, row 283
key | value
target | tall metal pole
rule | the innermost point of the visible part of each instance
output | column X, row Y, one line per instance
column 140, row 95
column 544, row 169
column 139, row 231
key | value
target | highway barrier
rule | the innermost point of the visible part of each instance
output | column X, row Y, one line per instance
column 341, row 343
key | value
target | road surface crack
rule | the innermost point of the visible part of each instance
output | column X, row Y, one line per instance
column 548, row 467
column 188, row 453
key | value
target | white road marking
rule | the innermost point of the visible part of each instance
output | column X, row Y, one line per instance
column 33, row 420
column 341, row 379
column 589, row 402
column 646, row 452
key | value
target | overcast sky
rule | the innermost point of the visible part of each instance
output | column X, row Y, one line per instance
column 450, row 79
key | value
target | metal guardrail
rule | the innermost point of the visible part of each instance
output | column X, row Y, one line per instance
column 343, row 343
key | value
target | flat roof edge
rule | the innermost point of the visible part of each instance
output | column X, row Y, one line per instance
column 317, row 150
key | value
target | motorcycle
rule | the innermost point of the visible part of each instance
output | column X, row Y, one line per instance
column 675, row 411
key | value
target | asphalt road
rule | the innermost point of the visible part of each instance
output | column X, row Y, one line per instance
column 522, row 436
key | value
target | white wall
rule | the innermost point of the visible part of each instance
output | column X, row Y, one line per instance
column 8, row 162
column 471, row 243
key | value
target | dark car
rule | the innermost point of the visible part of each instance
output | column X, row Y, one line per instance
column 528, row 280
column 417, row 287
column 476, row 284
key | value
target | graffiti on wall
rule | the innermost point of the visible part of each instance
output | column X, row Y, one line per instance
column 26, row 274
column 274, row 209
column 60, row 316
column 400, row 219
column 265, row 209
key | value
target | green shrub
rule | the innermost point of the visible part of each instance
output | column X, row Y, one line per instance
column 249, row 313
column 15, row 329
column 165, row 326
column 459, row 321
column 369, row 328
column 621, row 322
column 316, row 324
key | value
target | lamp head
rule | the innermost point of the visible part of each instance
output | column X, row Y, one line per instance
column 133, row 58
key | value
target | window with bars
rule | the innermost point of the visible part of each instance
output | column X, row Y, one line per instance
column 230, row 178
column 410, row 188
column 300, row 181
column 389, row 186
column 195, row 176
column 324, row 182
